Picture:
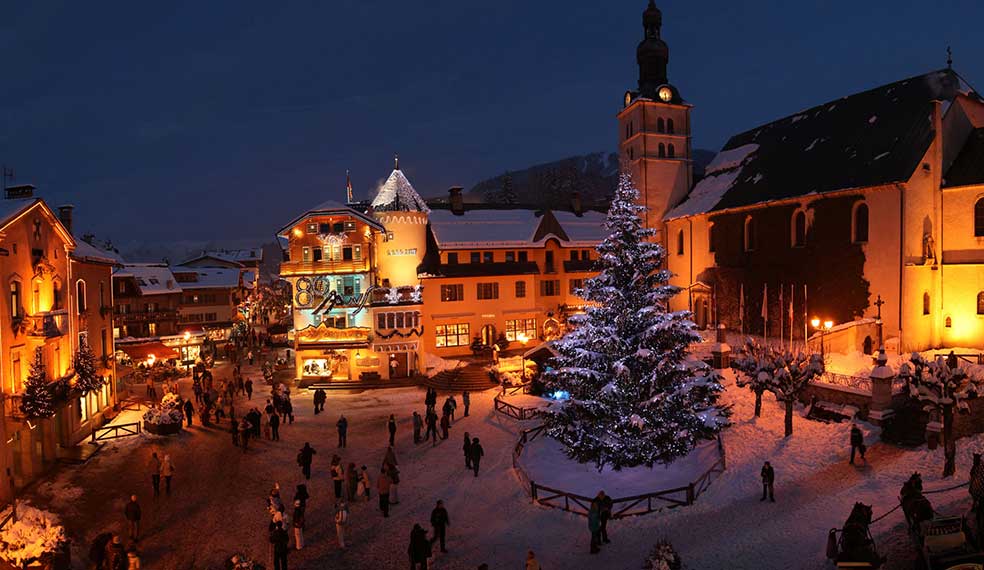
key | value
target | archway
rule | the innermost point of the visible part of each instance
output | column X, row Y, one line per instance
column 868, row 345
column 488, row 335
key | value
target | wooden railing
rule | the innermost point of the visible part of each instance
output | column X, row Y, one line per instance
column 621, row 507
column 515, row 412
column 129, row 404
column 115, row 431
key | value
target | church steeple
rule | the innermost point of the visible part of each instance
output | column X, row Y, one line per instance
column 652, row 54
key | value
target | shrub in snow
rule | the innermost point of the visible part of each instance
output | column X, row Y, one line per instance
column 37, row 401
column 168, row 412
column 634, row 398
column 36, row 533
column 663, row 557
column 768, row 368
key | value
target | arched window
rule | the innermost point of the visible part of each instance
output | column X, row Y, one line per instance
column 948, row 323
column 710, row 237
column 861, row 223
column 669, row 126
column 660, row 125
column 680, row 242
column 799, row 228
column 980, row 303
column 979, row 218
column 749, row 237
column 80, row 300
column 662, row 150
column 57, row 301
column 926, row 303
column 16, row 308
column 670, row 151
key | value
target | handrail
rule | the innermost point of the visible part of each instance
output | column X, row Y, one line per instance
column 103, row 433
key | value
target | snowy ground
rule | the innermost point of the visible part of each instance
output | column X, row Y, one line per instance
column 217, row 506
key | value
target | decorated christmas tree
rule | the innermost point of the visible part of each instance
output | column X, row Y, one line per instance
column 635, row 399
column 37, row 401
column 87, row 380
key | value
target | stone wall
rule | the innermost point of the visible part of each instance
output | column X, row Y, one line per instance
column 840, row 396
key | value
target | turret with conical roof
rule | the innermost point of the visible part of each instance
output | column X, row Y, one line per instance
column 404, row 214
column 397, row 194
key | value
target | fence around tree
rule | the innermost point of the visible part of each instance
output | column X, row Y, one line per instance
column 622, row 506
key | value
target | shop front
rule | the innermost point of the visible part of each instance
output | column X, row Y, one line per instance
column 400, row 358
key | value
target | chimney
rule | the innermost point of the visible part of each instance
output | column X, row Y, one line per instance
column 457, row 202
column 65, row 216
column 19, row 191
column 576, row 204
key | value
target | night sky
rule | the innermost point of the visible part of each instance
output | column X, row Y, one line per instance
column 190, row 120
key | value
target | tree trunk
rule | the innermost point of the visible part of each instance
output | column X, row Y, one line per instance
column 949, row 444
column 758, row 403
column 789, row 418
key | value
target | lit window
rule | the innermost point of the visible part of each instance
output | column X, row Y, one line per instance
column 312, row 228
column 15, row 300
column 451, row 335
column 452, row 292
column 526, row 327
column 305, row 254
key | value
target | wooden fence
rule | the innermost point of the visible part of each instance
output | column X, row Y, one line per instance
column 621, row 507
column 515, row 412
column 115, row 431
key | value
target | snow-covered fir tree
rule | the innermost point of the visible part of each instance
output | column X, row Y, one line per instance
column 84, row 362
column 37, row 401
column 634, row 397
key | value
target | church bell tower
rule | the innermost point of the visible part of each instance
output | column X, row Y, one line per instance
column 654, row 129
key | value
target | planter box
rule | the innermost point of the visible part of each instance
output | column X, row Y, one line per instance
column 162, row 429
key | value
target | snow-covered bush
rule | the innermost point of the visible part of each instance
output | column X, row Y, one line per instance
column 168, row 412
column 765, row 368
column 35, row 534
column 663, row 557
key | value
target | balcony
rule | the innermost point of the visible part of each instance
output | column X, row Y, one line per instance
column 323, row 267
column 48, row 325
column 141, row 316
column 402, row 295
column 322, row 335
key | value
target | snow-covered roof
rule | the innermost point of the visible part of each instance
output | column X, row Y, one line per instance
column 484, row 228
column 87, row 252
column 229, row 256
column 9, row 209
column 329, row 207
column 719, row 176
column 207, row 278
column 398, row 194
column 586, row 229
column 151, row 278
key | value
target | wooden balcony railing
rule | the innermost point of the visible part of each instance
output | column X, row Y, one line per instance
column 329, row 335
column 288, row 268
column 49, row 325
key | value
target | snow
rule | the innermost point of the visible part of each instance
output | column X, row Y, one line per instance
column 811, row 145
column 506, row 228
column 732, row 158
column 35, row 533
column 881, row 156
column 210, row 278
column 586, row 229
column 434, row 365
column 88, row 252
column 872, row 120
column 721, row 175
column 398, row 194
column 151, row 278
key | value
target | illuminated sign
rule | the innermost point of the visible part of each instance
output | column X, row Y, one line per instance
column 396, row 252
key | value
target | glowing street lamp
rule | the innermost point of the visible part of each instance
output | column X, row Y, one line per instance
column 522, row 338
column 827, row 325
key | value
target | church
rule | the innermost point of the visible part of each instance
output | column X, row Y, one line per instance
column 865, row 209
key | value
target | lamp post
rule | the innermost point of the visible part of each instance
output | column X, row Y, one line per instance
column 522, row 338
column 187, row 337
column 823, row 330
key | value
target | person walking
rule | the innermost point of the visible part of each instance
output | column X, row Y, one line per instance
column 531, row 561
column 431, row 427
column 419, row 549
column 606, row 504
column 342, row 426
column 132, row 513
column 249, row 389
column 394, row 477
column 392, row 428
column 365, row 485
column 857, row 442
column 467, row 449
column 594, row 526
column 301, row 494
column 466, row 401
column 453, row 404
column 275, row 426
column 351, row 483
column 418, row 424
column 115, row 554
column 320, row 396
column 341, row 522
column 337, row 475
column 476, row 455
column 304, row 458
column 155, row 473
column 289, row 411
column 297, row 521
column 167, row 471
column 279, row 539
column 234, row 430
column 383, row 487
column 445, row 425
column 768, row 479
column 189, row 411
column 245, row 428
column 440, row 521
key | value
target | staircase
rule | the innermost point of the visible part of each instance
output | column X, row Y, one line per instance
column 472, row 377
column 359, row 384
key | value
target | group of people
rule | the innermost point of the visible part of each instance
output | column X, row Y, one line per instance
column 430, row 418
column 598, row 516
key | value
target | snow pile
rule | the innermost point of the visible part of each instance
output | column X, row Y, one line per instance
column 35, row 534
column 434, row 364
column 663, row 557
column 397, row 194
column 720, row 176
column 168, row 412
column 511, row 368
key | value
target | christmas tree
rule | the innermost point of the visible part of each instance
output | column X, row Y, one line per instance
column 634, row 397
column 37, row 401
column 84, row 363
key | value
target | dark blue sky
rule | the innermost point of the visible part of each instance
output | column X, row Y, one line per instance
column 195, row 120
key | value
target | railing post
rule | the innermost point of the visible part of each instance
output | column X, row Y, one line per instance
column 690, row 494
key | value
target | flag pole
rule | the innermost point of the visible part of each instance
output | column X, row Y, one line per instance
column 782, row 320
column 806, row 316
column 765, row 312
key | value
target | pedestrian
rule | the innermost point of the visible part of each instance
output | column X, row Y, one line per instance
column 453, row 404
column 249, row 355
column 467, row 449
column 132, row 513
column 289, row 411
column 304, row 458
column 383, row 486
column 320, row 396
column 365, row 485
column 431, row 432
column 418, row 423
column 301, row 494
column 606, row 504
column 440, row 522
column 390, row 456
column 394, row 477
column 275, row 426
column 167, row 471
column 446, row 408
column 419, row 549
column 531, row 561
column 151, row 392
column 466, row 401
column 189, row 410
column 351, row 482
column 768, row 479
column 249, row 389
column 132, row 558
column 951, row 361
column 337, row 475
column 115, row 555
column 341, row 522
column 857, row 442
column 279, row 539
column 155, row 473
column 234, row 430
column 594, row 526
column 245, row 428
column 445, row 425
column 392, row 428
column 476, row 455
column 342, row 426
column 298, row 524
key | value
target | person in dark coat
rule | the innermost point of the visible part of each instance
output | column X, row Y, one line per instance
column 189, row 411
column 383, row 486
column 467, row 449
column 476, row 455
column 768, row 479
column 606, row 504
column 440, row 521
column 132, row 513
column 304, row 458
column 431, row 422
column 320, row 396
column 445, row 425
column 98, row 549
column 289, row 411
column 155, row 473
column 275, row 427
column 279, row 539
column 418, row 424
column 951, row 361
column 115, row 554
column 301, row 494
column 594, row 526
column 249, row 389
column 342, row 426
column 466, row 401
column 419, row 549
column 391, row 425
column 857, row 442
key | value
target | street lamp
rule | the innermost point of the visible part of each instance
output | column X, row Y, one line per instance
column 827, row 325
column 522, row 338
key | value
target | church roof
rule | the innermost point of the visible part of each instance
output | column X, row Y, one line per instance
column 867, row 139
column 397, row 194
column 968, row 167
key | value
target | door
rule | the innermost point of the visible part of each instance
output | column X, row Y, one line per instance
column 399, row 365
column 488, row 335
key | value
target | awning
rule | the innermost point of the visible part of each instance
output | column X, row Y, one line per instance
column 140, row 352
